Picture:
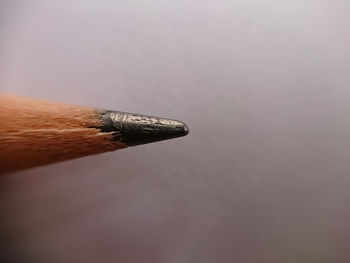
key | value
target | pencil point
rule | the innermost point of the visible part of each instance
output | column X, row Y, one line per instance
column 134, row 129
column 186, row 130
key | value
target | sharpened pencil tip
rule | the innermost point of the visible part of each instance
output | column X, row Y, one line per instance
column 134, row 129
column 186, row 130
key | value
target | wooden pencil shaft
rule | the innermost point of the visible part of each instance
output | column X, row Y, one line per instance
column 35, row 132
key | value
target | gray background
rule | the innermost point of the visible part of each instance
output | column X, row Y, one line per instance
column 263, row 176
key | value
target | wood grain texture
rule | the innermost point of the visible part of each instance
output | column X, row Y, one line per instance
column 35, row 132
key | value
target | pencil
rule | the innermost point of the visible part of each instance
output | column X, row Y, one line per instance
column 36, row 132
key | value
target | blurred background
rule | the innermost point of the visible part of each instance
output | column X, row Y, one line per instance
column 263, row 176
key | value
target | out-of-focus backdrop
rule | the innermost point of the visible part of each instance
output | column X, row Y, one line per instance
column 263, row 176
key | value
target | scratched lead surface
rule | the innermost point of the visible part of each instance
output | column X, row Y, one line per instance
column 135, row 129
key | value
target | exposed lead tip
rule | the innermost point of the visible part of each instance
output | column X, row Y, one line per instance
column 186, row 130
column 133, row 129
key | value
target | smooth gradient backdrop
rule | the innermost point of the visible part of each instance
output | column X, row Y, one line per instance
column 263, row 176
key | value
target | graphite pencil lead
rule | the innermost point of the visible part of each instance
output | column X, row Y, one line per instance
column 134, row 129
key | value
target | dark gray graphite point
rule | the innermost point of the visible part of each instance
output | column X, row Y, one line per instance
column 134, row 129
